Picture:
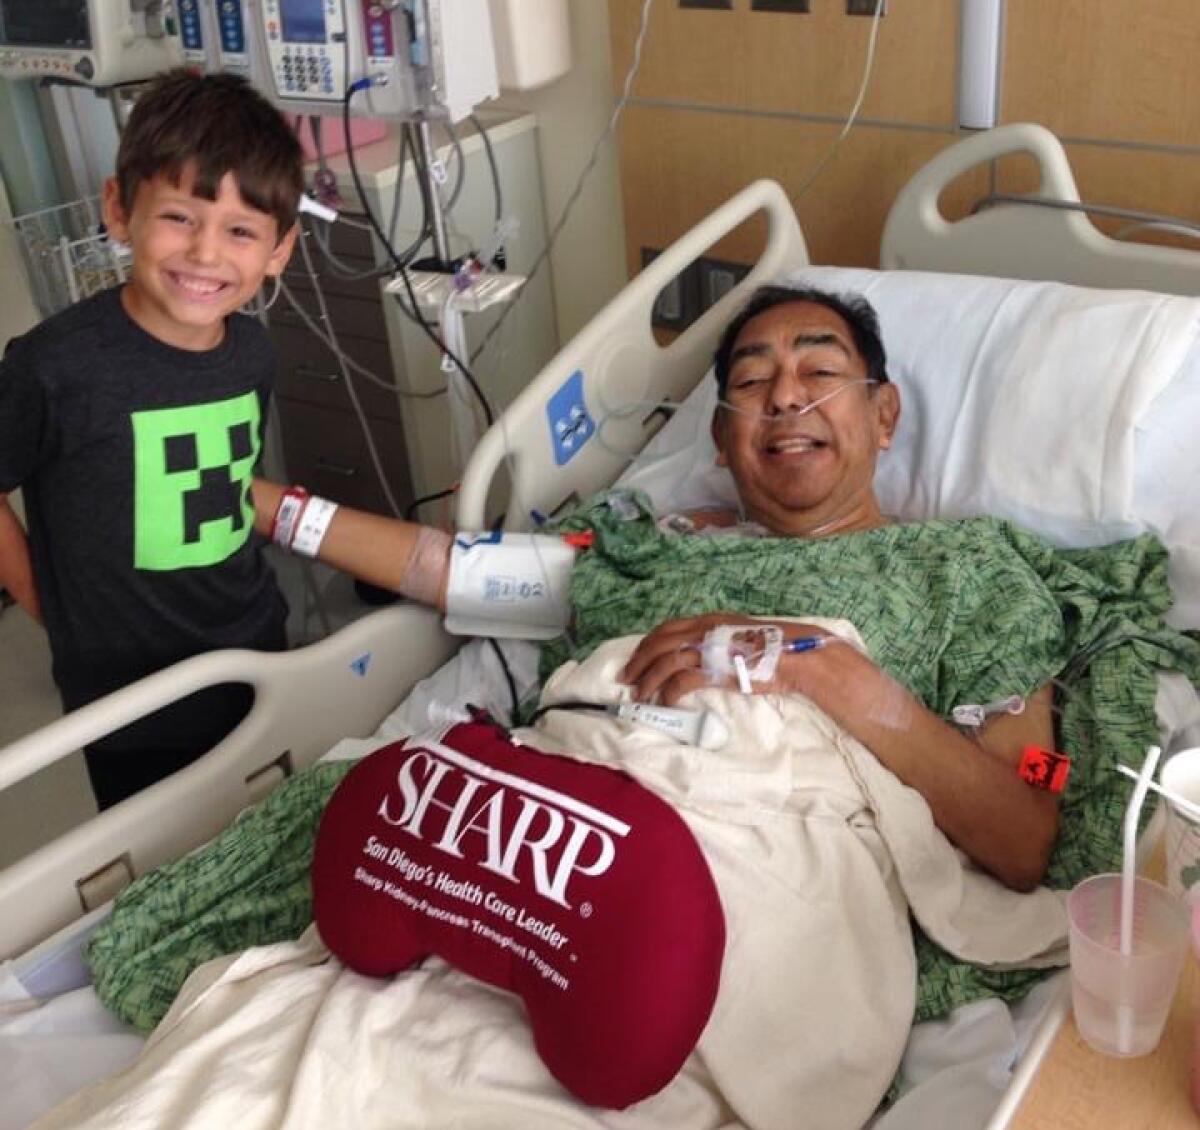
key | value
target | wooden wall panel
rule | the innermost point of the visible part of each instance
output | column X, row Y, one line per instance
column 1105, row 69
column 671, row 179
column 725, row 97
column 799, row 64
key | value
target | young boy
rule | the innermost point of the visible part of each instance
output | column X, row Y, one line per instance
column 133, row 422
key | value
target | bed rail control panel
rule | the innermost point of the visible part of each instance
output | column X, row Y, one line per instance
column 105, row 883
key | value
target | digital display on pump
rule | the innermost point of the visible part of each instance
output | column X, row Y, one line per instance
column 44, row 23
column 303, row 21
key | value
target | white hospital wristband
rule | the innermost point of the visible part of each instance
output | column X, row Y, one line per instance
column 314, row 522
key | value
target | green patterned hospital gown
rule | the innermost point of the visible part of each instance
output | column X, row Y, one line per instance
column 959, row 611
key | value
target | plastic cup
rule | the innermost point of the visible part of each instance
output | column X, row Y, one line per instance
column 1121, row 1002
column 1181, row 775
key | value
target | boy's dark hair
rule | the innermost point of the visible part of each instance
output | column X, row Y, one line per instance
column 853, row 309
column 220, row 124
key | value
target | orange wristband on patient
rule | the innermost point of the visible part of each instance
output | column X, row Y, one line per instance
column 1044, row 769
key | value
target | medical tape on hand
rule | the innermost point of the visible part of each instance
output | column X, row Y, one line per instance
column 513, row 585
column 727, row 642
column 313, row 525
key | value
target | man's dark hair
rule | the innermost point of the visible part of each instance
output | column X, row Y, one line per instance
column 853, row 309
column 222, row 125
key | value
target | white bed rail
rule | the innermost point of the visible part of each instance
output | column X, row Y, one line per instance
column 619, row 364
column 305, row 701
column 1022, row 241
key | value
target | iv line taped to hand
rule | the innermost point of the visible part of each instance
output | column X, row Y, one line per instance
column 750, row 653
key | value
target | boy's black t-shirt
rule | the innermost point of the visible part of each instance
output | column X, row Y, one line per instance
column 135, row 460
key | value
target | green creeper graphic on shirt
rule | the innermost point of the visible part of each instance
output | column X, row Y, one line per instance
column 192, row 472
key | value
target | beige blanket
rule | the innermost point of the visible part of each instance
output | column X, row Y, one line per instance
column 819, row 855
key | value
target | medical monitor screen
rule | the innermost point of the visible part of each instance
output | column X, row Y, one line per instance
column 303, row 21
column 44, row 23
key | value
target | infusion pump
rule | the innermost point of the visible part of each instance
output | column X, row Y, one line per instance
column 100, row 43
column 306, row 54
column 417, row 54
column 396, row 57
column 218, row 35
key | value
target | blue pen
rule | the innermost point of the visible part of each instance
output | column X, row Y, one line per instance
column 805, row 643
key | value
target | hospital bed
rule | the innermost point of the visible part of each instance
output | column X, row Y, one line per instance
column 608, row 389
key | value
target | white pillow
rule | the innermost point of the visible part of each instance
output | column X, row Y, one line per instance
column 1073, row 412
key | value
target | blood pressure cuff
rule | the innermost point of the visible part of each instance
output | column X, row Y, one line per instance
column 569, row 884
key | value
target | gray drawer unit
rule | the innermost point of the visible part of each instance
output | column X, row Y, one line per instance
column 308, row 371
column 329, row 456
column 323, row 443
column 353, row 317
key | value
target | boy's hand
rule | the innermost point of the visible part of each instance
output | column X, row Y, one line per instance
column 16, row 568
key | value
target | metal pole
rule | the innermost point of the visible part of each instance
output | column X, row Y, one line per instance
column 437, row 218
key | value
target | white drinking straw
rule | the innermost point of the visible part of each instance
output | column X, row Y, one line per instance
column 1128, row 869
column 1189, row 808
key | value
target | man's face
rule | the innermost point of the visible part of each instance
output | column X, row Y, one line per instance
column 803, row 472
column 195, row 261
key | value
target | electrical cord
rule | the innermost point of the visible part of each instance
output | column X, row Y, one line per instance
column 544, row 254
column 460, row 171
column 401, row 266
column 868, row 67
column 508, row 678
column 491, row 160
column 342, row 269
column 410, row 511
column 332, row 345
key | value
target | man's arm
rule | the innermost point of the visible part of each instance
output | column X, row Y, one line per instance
column 16, row 568
column 381, row 551
column 973, row 789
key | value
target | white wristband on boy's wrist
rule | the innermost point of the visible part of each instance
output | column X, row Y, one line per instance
column 301, row 521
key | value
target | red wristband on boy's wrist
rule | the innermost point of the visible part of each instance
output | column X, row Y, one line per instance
column 287, row 516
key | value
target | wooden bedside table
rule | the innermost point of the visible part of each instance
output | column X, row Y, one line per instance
column 1076, row 1088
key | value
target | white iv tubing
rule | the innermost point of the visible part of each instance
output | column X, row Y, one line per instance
column 752, row 413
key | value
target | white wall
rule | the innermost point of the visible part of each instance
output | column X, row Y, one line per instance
column 588, row 260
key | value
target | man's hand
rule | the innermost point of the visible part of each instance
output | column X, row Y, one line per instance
column 668, row 664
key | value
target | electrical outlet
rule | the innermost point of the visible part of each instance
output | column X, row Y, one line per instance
column 678, row 303
column 717, row 278
column 571, row 425
column 865, row 7
column 800, row 7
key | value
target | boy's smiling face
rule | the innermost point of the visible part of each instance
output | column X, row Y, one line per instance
column 195, row 261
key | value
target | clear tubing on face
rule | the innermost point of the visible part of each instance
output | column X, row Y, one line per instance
column 754, row 413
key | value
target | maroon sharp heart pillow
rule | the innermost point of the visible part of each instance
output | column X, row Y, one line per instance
column 569, row 884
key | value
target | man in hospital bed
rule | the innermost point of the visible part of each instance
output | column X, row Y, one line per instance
column 805, row 407
column 944, row 615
